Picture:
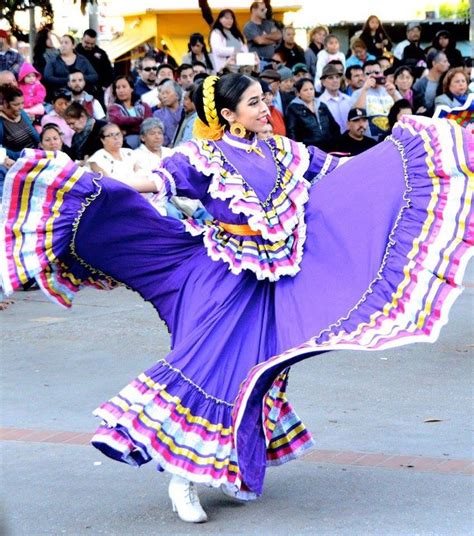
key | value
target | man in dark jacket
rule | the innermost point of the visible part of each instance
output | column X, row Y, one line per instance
column 289, row 50
column 98, row 59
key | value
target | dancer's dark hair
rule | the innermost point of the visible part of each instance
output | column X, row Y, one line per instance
column 228, row 92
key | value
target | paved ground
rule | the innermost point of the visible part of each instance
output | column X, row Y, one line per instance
column 393, row 431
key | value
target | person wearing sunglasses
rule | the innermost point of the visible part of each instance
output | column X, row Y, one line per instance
column 146, row 81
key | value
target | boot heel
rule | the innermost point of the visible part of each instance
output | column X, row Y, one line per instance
column 185, row 500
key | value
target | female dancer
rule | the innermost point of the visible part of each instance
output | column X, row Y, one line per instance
column 306, row 254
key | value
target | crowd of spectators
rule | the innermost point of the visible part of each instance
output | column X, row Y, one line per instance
column 67, row 98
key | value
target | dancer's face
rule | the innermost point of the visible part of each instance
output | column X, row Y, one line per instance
column 251, row 111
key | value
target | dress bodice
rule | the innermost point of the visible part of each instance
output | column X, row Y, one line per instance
column 262, row 185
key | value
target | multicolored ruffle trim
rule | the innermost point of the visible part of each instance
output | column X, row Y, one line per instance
column 163, row 416
column 35, row 234
column 267, row 260
column 278, row 250
column 439, row 174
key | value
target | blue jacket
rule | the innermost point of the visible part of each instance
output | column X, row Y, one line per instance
column 14, row 155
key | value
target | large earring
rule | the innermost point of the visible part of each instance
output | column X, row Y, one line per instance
column 238, row 130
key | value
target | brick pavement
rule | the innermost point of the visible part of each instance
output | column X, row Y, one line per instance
column 338, row 457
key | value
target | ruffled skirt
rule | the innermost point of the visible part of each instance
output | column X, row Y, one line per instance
column 388, row 235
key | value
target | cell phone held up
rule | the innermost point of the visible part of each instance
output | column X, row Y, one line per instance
column 380, row 80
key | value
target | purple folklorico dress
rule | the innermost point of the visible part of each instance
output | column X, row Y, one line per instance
column 363, row 254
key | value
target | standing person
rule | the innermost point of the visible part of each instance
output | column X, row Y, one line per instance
column 56, row 72
column 162, row 56
column 262, row 34
column 427, row 87
column 445, row 42
column 316, row 44
column 99, row 60
column 353, row 140
column 147, row 69
column 77, row 83
column 86, row 139
column 377, row 96
column 338, row 103
column 309, row 120
column 290, row 51
column 197, row 51
column 226, row 39
column 127, row 110
column 184, row 131
column 413, row 36
column 375, row 37
column 331, row 52
column 185, row 75
column 292, row 265
column 171, row 111
column 412, row 54
column 61, row 100
column 44, row 49
column 354, row 78
column 10, row 59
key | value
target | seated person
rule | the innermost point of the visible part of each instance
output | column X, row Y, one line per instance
column 86, row 140
column 353, row 141
column 455, row 88
column 34, row 92
column 61, row 100
column 308, row 120
column 16, row 130
column 51, row 139
column 113, row 160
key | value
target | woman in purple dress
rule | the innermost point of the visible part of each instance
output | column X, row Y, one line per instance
column 305, row 254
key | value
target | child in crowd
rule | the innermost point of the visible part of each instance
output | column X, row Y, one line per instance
column 61, row 100
column 330, row 52
column 33, row 90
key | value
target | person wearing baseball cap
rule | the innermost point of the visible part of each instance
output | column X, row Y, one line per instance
column 275, row 117
column 353, row 141
column 287, row 85
column 273, row 79
column 10, row 59
column 300, row 70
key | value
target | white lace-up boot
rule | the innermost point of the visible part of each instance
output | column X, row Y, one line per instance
column 185, row 500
